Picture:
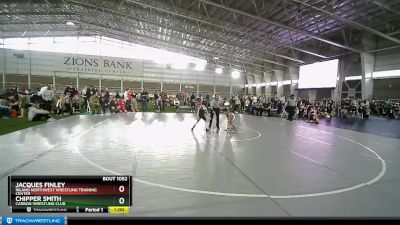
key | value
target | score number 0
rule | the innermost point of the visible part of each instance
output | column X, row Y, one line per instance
column 121, row 200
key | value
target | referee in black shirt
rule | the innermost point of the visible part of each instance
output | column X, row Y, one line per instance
column 216, row 105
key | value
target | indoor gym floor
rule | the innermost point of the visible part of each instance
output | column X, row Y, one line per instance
column 270, row 168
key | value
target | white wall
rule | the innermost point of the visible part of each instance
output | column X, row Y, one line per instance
column 42, row 63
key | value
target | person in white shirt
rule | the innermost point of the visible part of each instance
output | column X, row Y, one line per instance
column 176, row 103
column 126, row 94
column 35, row 114
column 42, row 89
column 60, row 105
column 48, row 97
column 291, row 106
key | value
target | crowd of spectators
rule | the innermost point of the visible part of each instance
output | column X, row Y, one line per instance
column 23, row 102
column 15, row 102
column 344, row 108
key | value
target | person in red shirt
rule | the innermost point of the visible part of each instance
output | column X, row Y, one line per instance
column 122, row 105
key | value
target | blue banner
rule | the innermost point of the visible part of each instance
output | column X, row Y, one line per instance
column 32, row 220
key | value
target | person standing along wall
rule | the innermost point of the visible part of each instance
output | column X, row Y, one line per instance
column 291, row 104
column 144, row 97
column 157, row 101
column 94, row 102
column 134, row 101
column 192, row 102
column 163, row 96
column 48, row 96
column 185, row 98
column 69, row 94
column 128, row 99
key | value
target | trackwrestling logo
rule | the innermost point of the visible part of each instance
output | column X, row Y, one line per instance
column 33, row 220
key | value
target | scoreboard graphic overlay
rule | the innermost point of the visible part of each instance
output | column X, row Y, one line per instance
column 70, row 194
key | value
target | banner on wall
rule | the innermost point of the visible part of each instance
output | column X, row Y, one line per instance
column 97, row 65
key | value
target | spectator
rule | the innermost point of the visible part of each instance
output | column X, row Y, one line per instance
column 121, row 106
column 301, row 110
column 69, row 94
column 180, row 97
column 113, row 105
column 360, row 111
column 48, row 96
column 353, row 109
column 128, row 99
column 5, row 108
column 134, row 101
column 36, row 114
column 105, row 101
column 14, row 92
column 13, row 103
column 192, row 101
column 117, row 96
column 94, row 102
column 248, row 105
column 45, row 87
column 60, row 105
column 237, row 106
column 144, row 97
column 185, row 97
column 313, row 115
column 76, row 103
column 163, row 96
column 90, row 91
column 176, row 104
column 126, row 94
column 396, row 110
column 291, row 104
column 23, row 102
column 84, row 95
column 157, row 102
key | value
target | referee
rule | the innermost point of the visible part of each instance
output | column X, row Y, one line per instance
column 216, row 105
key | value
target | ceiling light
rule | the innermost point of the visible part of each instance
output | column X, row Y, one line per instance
column 70, row 23
column 199, row 67
column 353, row 78
column 218, row 70
column 235, row 74
column 386, row 73
column 215, row 57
